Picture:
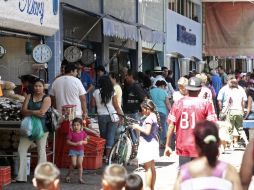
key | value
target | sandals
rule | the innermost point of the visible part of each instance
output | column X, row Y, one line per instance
column 81, row 181
column 68, row 179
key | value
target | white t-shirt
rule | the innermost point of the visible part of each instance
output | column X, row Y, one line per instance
column 236, row 94
column 206, row 93
column 177, row 96
column 66, row 90
column 101, row 108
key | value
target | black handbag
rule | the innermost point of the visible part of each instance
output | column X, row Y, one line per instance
column 51, row 119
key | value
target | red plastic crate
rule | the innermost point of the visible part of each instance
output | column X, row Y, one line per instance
column 92, row 162
column 96, row 142
column 5, row 175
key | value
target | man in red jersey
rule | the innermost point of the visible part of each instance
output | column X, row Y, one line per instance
column 183, row 116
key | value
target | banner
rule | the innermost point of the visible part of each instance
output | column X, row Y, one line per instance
column 33, row 16
column 229, row 29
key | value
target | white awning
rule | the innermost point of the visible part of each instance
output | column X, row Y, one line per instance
column 152, row 36
column 119, row 29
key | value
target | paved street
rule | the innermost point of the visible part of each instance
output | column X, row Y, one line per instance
column 166, row 173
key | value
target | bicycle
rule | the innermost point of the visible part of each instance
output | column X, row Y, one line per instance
column 124, row 148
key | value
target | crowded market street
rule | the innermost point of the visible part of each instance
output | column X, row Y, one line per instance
column 166, row 168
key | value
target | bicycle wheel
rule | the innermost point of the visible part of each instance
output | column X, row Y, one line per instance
column 122, row 155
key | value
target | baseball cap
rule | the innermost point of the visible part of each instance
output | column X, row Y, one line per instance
column 194, row 84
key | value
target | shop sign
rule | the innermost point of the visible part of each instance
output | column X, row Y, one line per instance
column 184, row 36
column 34, row 16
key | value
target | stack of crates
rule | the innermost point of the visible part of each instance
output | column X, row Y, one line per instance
column 5, row 175
column 93, row 153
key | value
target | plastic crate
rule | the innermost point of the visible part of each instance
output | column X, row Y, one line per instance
column 91, row 149
column 92, row 162
column 5, row 175
column 96, row 142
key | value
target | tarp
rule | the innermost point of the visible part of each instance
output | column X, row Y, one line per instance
column 152, row 36
column 229, row 29
column 119, row 29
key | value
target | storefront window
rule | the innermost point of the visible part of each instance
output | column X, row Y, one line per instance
column 186, row 8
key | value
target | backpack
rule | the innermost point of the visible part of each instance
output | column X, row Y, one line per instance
column 52, row 118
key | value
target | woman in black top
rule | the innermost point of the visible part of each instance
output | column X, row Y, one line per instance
column 35, row 104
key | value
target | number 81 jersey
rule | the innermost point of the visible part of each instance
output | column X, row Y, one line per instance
column 184, row 115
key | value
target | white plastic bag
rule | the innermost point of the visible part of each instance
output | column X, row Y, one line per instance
column 26, row 127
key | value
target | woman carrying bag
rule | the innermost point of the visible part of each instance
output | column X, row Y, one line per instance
column 104, row 98
column 35, row 105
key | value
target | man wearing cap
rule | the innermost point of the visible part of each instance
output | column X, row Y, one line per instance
column 158, row 72
column 183, row 116
column 231, row 99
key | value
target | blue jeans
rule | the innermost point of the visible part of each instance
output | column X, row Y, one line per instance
column 107, row 129
column 164, row 127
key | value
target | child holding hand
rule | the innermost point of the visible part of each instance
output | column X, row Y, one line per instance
column 76, row 138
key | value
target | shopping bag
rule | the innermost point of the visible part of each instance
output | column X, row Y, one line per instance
column 26, row 126
column 37, row 129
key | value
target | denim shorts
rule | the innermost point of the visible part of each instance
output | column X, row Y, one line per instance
column 76, row 153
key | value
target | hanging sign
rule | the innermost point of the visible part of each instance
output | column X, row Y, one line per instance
column 33, row 16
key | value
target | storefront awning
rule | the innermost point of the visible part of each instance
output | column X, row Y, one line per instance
column 119, row 29
column 152, row 36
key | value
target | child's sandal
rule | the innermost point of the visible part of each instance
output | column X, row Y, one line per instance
column 68, row 179
column 81, row 181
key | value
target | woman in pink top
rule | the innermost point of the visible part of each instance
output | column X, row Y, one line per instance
column 206, row 172
column 76, row 138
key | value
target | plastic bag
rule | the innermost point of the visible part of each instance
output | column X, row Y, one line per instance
column 26, row 126
column 37, row 129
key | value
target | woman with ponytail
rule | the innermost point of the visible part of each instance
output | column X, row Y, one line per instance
column 148, row 150
column 206, row 171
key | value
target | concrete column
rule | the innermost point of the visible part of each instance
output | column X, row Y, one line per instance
column 249, row 65
column 55, row 42
column 55, row 62
column 139, row 43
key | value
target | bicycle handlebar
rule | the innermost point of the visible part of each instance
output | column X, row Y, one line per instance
column 128, row 119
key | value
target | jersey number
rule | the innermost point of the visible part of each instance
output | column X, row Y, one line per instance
column 185, row 122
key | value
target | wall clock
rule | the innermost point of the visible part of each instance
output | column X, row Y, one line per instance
column 72, row 54
column 42, row 53
column 87, row 56
column 2, row 51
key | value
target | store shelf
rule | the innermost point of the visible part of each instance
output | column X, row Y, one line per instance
column 10, row 125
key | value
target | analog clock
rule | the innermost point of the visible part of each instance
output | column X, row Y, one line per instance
column 72, row 54
column 2, row 51
column 87, row 56
column 213, row 64
column 42, row 53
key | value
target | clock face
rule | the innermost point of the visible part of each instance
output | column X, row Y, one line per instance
column 2, row 51
column 42, row 53
column 213, row 64
column 72, row 54
column 87, row 56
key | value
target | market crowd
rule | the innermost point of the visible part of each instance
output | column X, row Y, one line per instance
column 199, row 116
